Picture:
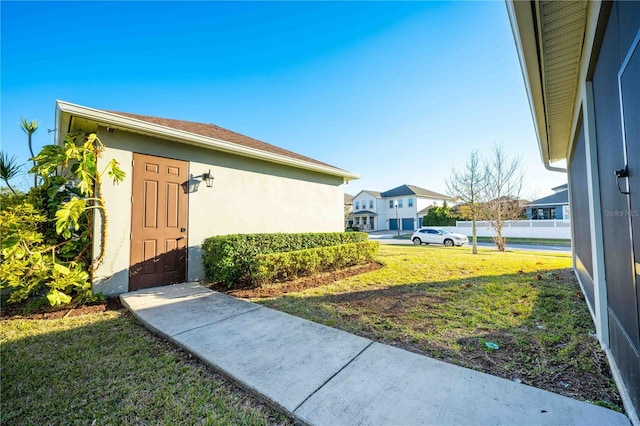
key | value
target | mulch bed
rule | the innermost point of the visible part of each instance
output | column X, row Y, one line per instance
column 50, row 312
column 278, row 289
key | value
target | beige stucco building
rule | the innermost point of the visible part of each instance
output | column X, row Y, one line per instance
column 158, row 220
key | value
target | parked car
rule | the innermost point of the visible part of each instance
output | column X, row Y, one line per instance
column 438, row 236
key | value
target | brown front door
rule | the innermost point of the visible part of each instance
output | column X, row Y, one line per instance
column 158, row 222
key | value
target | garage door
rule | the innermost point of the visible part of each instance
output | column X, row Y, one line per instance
column 393, row 224
column 407, row 224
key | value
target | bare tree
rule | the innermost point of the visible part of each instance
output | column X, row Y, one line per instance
column 467, row 186
column 504, row 181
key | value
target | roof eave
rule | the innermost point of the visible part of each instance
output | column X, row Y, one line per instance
column 65, row 110
column 524, row 31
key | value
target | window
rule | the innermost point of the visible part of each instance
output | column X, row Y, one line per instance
column 357, row 205
column 370, row 204
column 390, row 204
column 543, row 213
column 410, row 202
column 399, row 202
column 364, row 220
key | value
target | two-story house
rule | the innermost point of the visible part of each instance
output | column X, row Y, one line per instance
column 394, row 209
column 366, row 208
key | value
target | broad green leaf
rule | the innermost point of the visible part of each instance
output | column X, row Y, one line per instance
column 57, row 298
column 68, row 216
column 61, row 269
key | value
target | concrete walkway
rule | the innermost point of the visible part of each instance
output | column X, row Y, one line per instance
column 323, row 376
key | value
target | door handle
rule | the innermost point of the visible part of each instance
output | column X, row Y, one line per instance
column 622, row 173
column 181, row 237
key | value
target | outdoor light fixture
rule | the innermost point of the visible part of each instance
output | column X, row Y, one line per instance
column 208, row 178
column 194, row 182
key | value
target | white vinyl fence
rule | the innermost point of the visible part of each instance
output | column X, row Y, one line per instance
column 557, row 228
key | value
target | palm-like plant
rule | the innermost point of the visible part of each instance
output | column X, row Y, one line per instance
column 9, row 168
column 30, row 127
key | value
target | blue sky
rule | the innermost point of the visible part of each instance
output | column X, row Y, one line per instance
column 397, row 92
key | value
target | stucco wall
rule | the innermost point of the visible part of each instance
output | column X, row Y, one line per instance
column 248, row 196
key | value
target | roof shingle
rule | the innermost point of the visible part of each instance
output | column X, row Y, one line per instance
column 217, row 132
column 414, row 190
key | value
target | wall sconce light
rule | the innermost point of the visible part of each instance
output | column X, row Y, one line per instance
column 191, row 185
column 208, row 178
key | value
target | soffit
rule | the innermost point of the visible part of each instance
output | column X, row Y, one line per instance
column 561, row 29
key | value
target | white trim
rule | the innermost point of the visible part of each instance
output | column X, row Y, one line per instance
column 593, row 14
column 110, row 119
column 595, row 216
column 521, row 20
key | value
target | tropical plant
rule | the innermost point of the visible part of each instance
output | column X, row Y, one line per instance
column 30, row 127
column 79, row 156
column 37, row 257
column 9, row 168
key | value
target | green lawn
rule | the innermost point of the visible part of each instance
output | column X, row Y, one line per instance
column 104, row 368
column 448, row 303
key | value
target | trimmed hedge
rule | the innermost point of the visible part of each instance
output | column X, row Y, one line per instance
column 232, row 258
column 292, row 264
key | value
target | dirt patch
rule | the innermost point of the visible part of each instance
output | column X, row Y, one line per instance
column 50, row 312
column 278, row 289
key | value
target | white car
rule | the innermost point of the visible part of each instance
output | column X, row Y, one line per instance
column 438, row 236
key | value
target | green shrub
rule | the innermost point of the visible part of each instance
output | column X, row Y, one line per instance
column 440, row 216
column 28, row 266
column 292, row 264
column 232, row 258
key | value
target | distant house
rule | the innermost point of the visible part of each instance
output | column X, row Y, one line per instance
column 554, row 206
column 348, row 210
column 366, row 205
column 187, row 181
column 396, row 208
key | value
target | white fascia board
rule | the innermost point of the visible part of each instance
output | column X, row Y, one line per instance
column 110, row 119
column 524, row 35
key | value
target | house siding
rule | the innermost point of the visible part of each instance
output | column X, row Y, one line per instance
column 622, row 27
column 248, row 196
column 580, row 223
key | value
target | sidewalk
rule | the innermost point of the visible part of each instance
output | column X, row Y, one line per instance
column 322, row 376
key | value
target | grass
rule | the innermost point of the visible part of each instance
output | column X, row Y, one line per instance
column 104, row 368
column 448, row 303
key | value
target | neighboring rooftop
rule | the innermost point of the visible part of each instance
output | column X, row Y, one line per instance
column 414, row 190
column 559, row 198
column 348, row 199
column 559, row 188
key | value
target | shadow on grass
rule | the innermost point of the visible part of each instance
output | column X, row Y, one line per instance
column 109, row 370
